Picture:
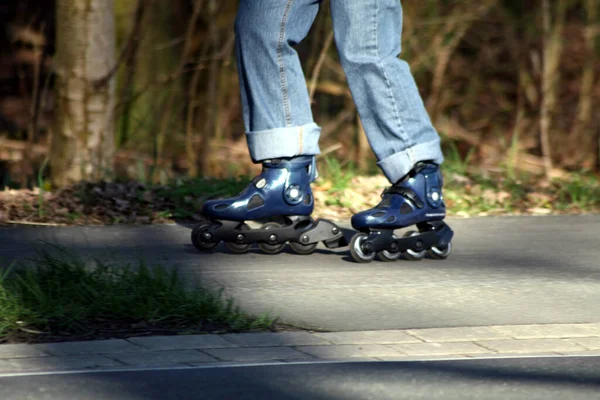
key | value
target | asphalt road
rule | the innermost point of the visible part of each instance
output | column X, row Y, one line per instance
column 526, row 378
column 509, row 270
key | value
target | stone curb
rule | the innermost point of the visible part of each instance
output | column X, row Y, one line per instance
column 227, row 349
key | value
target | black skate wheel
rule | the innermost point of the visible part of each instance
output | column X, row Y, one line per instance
column 271, row 248
column 304, row 249
column 410, row 254
column 200, row 239
column 440, row 253
column 239, row 248
column 356, row 250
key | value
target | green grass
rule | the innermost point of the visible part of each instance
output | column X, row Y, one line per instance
column 57, row 294
column 340, row 176
column 185, row 193
column 580, row 192
column 504, row 194
column 454, row 162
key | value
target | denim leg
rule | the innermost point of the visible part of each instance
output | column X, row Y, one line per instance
column 275, row 100
column 399, row 130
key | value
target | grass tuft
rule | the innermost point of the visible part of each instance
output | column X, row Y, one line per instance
column 57, row 294
column 580, row 192
column 339, row 179
column 182, row 192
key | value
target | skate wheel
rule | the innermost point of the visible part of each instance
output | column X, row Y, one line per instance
column 440, row 253
column 304, row 249
column 389, row 256
column 239, row 248
column 199, row 238
column 356, row 249
column 271, row 248
column 410, row 254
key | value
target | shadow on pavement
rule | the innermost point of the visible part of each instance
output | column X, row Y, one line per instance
column 503, row 271
column 532, row 379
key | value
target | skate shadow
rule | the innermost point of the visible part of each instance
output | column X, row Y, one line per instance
column 222, row 249
column 348, row 258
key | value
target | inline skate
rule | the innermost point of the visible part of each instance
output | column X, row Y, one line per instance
column 415, row 200
column 280, row 194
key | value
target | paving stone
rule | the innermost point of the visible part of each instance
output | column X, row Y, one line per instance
column 549, row 331
column 163, row 358
column 462, row 334
column 343, row 351
column 257, row 354
column 56, row 363
column 426, row 349
column 20, row 350
column 6, row 366
column 369, row 337
column 512, row 355
column 423, row 358
column 587, row 353
column 89, row 347
column 590, row 343
column 181, row 342
column 530, row 345
column 271, row 339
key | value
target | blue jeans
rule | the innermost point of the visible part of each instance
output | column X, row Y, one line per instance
column 277, row 113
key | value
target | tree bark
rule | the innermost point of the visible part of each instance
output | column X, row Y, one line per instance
column 583, row 153
column 552, row 52
column 82, row 145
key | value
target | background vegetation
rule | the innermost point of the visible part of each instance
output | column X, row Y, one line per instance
column 512, row 87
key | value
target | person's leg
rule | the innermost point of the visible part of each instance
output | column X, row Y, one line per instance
column 368, row 38
column 281, row 135
column 277, row 113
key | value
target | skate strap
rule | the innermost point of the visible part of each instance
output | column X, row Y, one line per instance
column 406, row 193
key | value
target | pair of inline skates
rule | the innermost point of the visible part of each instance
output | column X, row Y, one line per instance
column 282, row 194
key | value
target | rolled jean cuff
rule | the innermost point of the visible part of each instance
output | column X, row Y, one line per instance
column 396, row 166
column 284, row 142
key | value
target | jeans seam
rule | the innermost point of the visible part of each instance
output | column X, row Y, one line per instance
column 376, row 28
column 282, row 75
column 381, row 65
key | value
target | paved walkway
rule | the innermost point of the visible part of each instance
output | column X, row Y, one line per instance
column 228, row 349
column 503, row 271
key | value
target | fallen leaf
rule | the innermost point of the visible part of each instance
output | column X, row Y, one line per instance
column 503, row 196
column 539, row 211
column 489, row 196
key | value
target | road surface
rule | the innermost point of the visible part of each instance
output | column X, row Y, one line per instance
column 525, row 378
column 504, row 270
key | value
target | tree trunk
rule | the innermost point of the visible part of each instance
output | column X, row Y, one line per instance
column 553, row 27
column 583, row 152
column 82, row 145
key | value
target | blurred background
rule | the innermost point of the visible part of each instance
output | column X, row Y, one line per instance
column 512, row 86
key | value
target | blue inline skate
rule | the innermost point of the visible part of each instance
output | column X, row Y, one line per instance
column 281, row 194
column 415, row 200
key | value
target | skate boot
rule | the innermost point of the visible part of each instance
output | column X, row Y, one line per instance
column 415, row 200
column 281, row 194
